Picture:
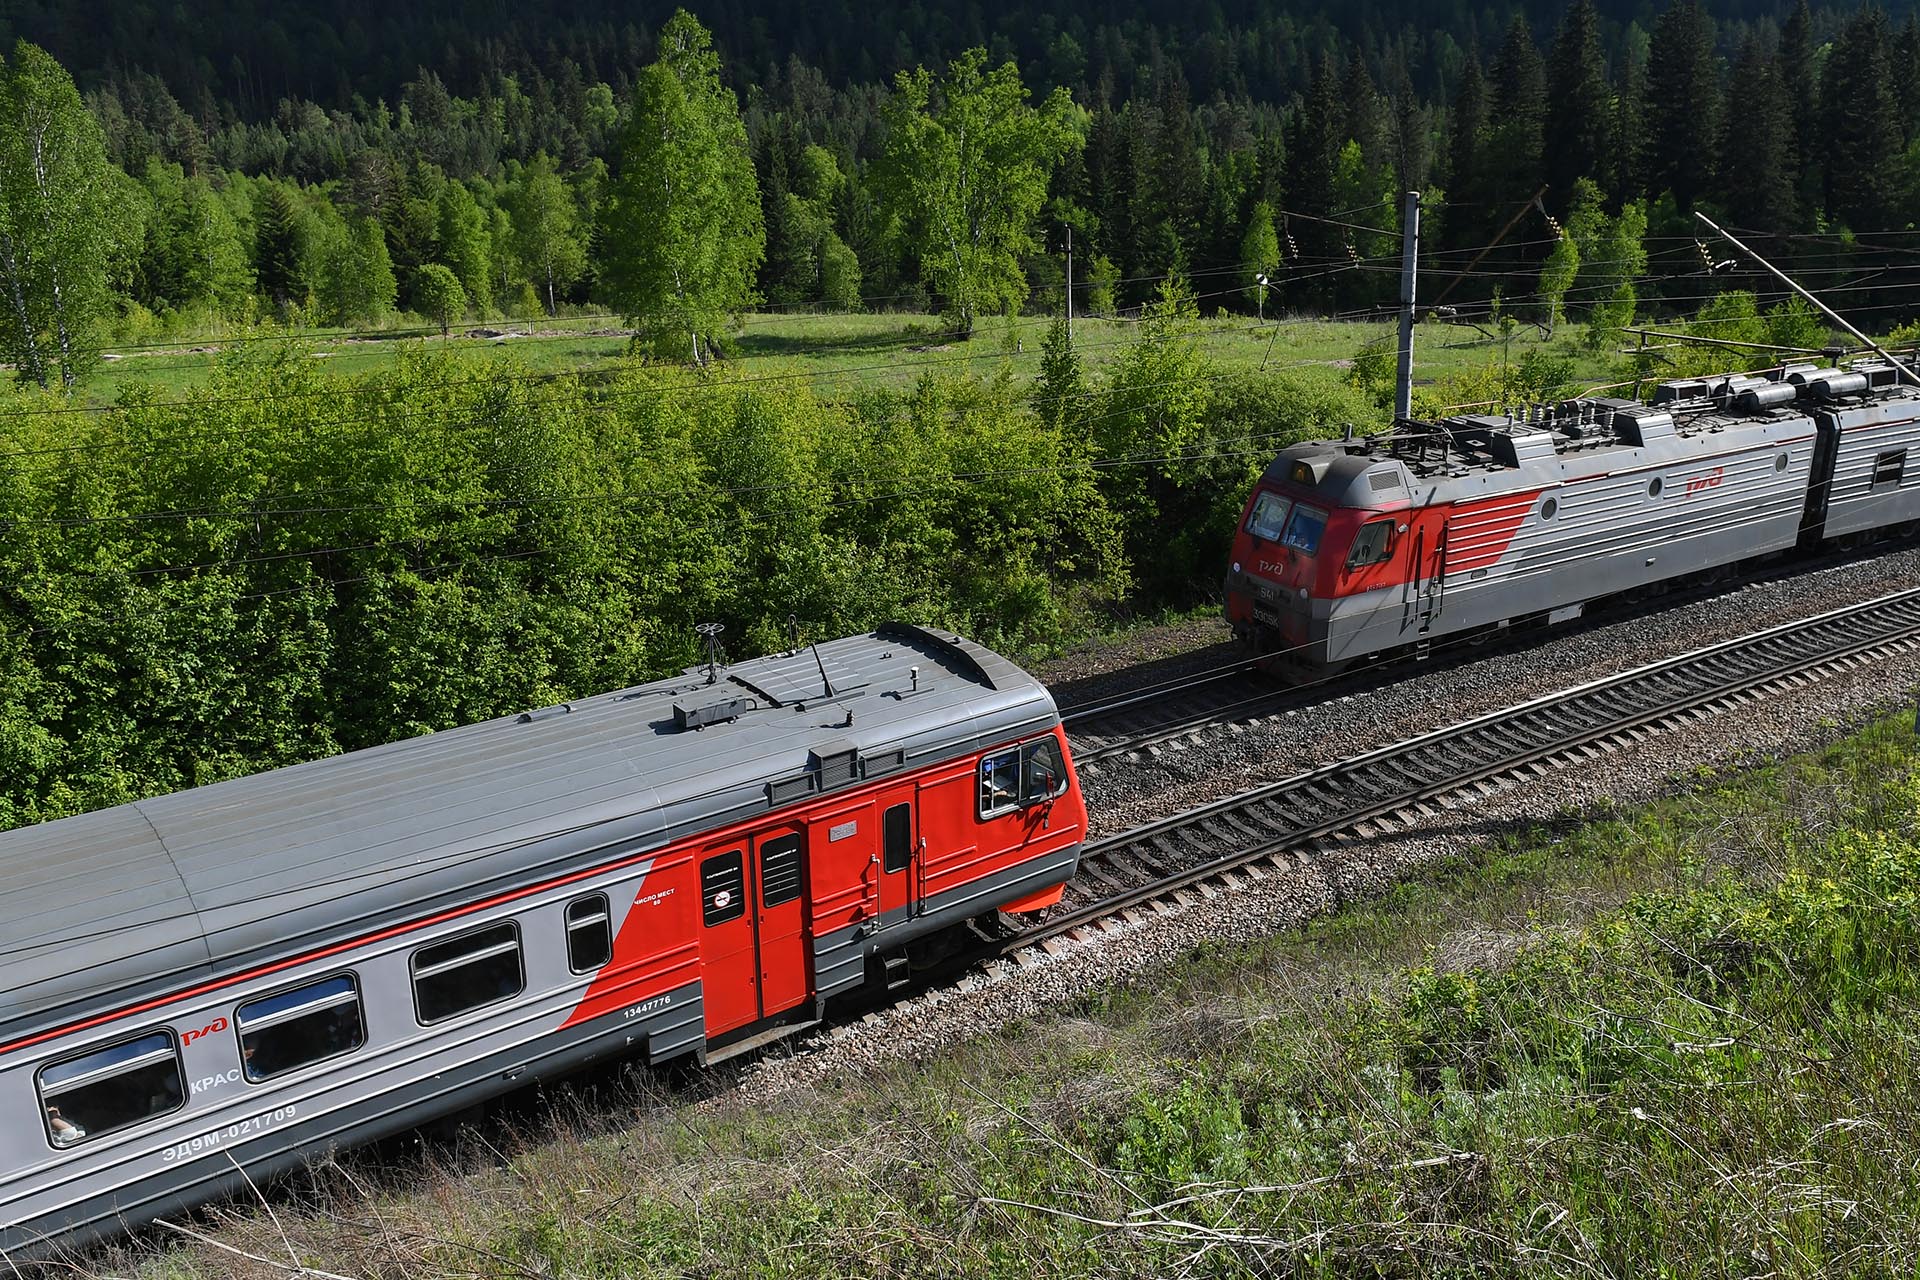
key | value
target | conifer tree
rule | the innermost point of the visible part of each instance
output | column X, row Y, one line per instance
column 1756, row 183
column 276, row 245
column 1467, row 221
column 1683, row 85
column 1795, row 63
column 1579, row 109
column 1627, row 167
column 1519, row 110
column 1862, row 128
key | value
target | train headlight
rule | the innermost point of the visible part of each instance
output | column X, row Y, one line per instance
column 1236, row 566
column 1305, row 594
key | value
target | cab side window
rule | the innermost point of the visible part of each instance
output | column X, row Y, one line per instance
column 1043, row 774
column 107, row 1089
column 1000, row 782
column 1372, row 545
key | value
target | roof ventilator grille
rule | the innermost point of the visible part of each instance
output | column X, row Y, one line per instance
column 726, row 709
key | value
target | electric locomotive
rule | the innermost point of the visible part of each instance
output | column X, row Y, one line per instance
column 1351, row 549
column 208, row 986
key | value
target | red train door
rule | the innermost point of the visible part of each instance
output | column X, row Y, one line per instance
column 729, row 962
column 780, row 914
column 753, row 945
column 899, row 848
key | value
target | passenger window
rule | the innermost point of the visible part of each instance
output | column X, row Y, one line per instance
column 284, row 1032
column 1000, row 782
column 1372, row 545
column 589, row 933
column 723, row 884
column 1268, row 517
column 1043, row 772
column 1889, row 467
column 108, row 1089
column 898, row 838
column 1304, row 530
column 779, row 871
column 474, row 969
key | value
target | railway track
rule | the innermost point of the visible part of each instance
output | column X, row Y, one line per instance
column 1172, row 709
column 1262, row 831
column 1105, row 730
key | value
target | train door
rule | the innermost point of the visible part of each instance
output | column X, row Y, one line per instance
column 780, row 918
column 753, row 945
column 1433, row 593
column 899, row 850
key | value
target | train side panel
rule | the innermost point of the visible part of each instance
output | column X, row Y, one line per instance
column 1876, row 467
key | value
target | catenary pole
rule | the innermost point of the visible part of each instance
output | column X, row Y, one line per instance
column 1409, row 265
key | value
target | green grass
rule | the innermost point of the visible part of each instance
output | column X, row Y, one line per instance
column 1671, row 1040
column 842, row 354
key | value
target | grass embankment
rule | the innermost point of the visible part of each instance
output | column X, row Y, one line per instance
column 845, row 353
column 1676, row 1041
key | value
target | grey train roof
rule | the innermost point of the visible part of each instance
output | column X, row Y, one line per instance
column 134, row 901
column 1468, row 454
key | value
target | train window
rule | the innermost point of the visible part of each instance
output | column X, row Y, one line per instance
column 723, row 888
column 589, row 933
column 1268, row 517
column 1372, row 545
column 307, row 1024
column 1304, row 530
column 1043, row 774
column 474, row 969
column 779, row 870
column 108, row 1089
column 1889, row 467
column 898, row 837
column 999, row 782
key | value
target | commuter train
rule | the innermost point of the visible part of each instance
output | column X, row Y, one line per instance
column 1359, row 548
column 209, row 985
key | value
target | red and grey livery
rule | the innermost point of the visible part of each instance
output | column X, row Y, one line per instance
column 1349, row 549
column 228, row 978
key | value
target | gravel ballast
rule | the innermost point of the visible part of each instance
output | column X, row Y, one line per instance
column 1222, row 762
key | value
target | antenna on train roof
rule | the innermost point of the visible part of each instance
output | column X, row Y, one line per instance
column 710, row 635
column 1830, row 313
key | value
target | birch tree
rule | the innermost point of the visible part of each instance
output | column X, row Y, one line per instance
column 683, row 230
column 966, row 169
column 59, row 234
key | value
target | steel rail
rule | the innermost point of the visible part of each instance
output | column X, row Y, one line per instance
column 1338, row 797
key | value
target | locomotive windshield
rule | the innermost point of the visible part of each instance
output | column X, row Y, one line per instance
column 1268, row 517
column 1304, row 530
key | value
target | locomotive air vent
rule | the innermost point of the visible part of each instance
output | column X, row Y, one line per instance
column 838, row 765
column 685, row 718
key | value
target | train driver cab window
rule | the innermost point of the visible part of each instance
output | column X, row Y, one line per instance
column 467, row 972
column 107, row 1089
column 589, row 933
column 281, row 1033
column 1304, row 530
column 1372, row 545
column 1000, row 782
column 1268, row 517
column 1043, row 774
